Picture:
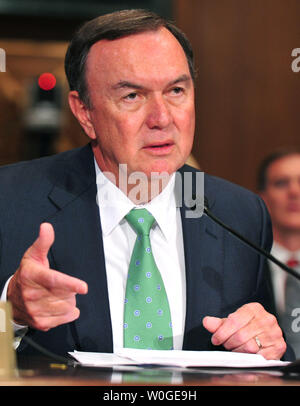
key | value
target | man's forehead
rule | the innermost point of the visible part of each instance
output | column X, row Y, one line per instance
column 288, row 165
column 140, row 45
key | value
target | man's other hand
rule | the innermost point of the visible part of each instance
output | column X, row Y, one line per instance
column 250, row 329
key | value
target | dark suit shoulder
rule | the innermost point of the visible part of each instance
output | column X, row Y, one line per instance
column 225, row 189
column 237, row 207
column 240, row 208
column 221, row 192
column 29, row 193
column 43, row 163
column 47, row 170
column 229, row 196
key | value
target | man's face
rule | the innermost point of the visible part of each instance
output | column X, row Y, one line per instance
column 282, row 193
column 142, row 99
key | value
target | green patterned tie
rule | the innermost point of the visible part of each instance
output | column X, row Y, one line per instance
column 147, row 318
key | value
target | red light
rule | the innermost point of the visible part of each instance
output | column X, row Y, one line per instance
column 47, row 81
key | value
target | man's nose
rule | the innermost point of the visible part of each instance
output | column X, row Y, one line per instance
column 159, row 115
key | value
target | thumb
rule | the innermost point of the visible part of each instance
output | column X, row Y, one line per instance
column 40, row 248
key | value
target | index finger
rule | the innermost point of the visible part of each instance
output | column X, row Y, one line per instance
column 67, row 282
column 52, row 280
column 233, row 323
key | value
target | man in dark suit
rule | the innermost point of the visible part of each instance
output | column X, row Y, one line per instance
column 131, row 79
column 279, row 186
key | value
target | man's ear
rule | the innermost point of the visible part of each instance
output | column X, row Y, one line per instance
column 82, row 113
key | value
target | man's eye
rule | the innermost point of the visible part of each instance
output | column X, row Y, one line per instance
column 131, row 96
column 177, row 90
column 281, row 183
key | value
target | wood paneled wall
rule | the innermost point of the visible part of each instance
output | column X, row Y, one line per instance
column 248, row 97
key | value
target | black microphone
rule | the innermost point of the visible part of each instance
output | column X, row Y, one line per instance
column 249, row 243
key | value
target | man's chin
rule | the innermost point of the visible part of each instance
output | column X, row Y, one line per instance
column 163, row 167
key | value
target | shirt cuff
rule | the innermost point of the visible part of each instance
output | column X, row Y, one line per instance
column 19, row 328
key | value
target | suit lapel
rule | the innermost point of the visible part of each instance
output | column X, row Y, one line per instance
column 204, row 253
column 78, row 249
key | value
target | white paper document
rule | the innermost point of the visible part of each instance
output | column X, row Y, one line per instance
column 175, row 358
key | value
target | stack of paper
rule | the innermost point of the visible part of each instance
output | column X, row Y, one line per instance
column 128, row 356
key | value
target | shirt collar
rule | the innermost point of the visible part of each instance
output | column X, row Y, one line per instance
column 114, row 205
column 284, row 254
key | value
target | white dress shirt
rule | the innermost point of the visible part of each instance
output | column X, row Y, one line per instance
column 167, row 246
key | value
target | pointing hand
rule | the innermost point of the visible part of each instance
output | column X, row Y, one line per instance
column 41, row 297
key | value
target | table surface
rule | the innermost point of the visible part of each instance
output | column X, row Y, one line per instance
column 42, row 371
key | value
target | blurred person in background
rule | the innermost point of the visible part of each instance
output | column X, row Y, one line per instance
column 279, row 186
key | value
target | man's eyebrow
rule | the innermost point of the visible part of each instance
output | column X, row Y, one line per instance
column 182, row 78
column 126, row 84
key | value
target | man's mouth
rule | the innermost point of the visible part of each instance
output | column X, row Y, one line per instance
column 160, row 147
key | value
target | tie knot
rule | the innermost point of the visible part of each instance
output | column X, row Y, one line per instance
column 141, row 220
